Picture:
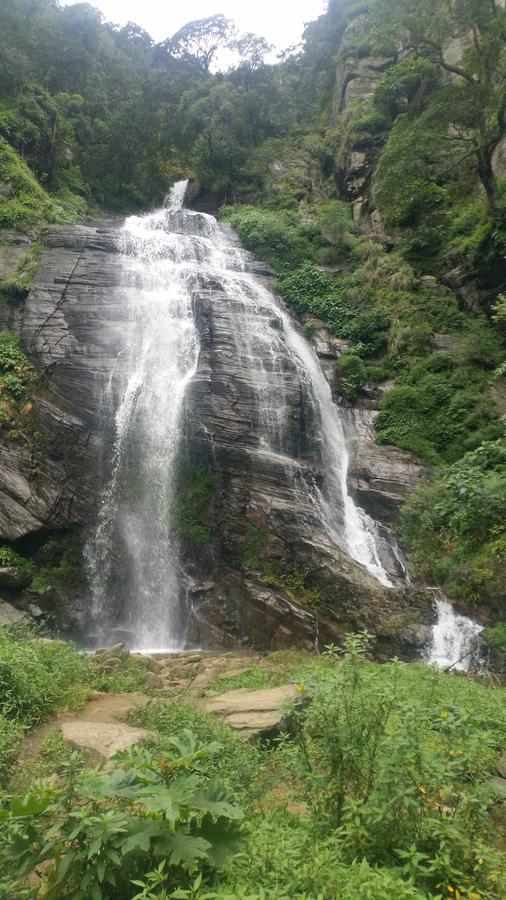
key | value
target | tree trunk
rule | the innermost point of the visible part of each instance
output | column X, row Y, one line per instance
column 489, row 182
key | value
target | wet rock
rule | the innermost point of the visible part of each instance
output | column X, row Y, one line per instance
column 35, row 611
column 112, row 650
column 381, row 477
column 14, row 577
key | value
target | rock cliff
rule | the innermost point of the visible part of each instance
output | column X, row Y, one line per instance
column 268, row 576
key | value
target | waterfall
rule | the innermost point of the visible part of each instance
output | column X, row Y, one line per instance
column 167, row 257
column 454, row 639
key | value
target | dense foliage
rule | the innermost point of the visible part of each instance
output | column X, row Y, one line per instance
column 456, row 526
column 381, row 789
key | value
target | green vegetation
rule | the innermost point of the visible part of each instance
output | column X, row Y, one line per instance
column 296, row 582
column 59, row 563
column 382, row 789
column 10, row 557
column 18, row 283
column 109, row 827
column 496, row 637
column 196, row 488
column 39, row 677
column 16, row 376
column 455, row 526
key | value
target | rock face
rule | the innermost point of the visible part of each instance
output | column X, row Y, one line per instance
column 14, row 577
column 48, row 480
column 263, row 531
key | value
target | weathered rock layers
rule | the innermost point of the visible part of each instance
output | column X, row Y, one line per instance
column 268, row 576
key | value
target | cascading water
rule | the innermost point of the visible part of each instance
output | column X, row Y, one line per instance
column 159, row 357
column 166, row 258
column 454, row 639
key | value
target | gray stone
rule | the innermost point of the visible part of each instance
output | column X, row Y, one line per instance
column 110, row 651
column 14, row 577
column 9, row 614
column 104, row 739
column 253, row 713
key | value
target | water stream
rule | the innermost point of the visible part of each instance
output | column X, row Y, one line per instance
column 454, row 639
column 137, row 581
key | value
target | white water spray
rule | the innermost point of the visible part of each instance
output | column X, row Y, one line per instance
column 454, row 639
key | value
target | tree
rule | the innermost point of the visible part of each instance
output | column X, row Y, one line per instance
column 198, row 42
column 475, row 101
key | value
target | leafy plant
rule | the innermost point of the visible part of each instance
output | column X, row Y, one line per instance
column 106, row 828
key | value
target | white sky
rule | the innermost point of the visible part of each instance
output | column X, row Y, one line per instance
column 280, row 22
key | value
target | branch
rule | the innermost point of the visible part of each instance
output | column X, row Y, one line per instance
column 456, row 70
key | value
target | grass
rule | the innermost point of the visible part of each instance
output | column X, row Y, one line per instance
column 416, row 734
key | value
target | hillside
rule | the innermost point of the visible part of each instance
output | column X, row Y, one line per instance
column 367, row 169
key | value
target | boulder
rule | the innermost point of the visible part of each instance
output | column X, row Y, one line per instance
column 9, row 614
column 253, row 713
column 14, row 577
column 103, row 739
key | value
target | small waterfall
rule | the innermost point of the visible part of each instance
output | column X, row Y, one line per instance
column 454, row 639
column 176, row 196
column 168, row 258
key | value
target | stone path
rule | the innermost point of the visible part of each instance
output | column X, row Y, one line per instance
column 96, row 728
column 99, row 728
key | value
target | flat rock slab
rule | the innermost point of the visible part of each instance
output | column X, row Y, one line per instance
column 104, row 739
column 253, row 713
column 9, row 614
column 98, row 728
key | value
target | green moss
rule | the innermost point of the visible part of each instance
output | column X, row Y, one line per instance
column 18, row 283
column 16, row 376
column 294, row 580
column 196, row 488
column 255, row 544
column 64, row 566
column 10, row 557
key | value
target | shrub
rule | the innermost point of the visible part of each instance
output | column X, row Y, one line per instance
column 237, row 763
column 351, row 374
column 11, row 734
column 18, row 283
column 335, row 220
column 437, row 410
column 37, row 677
column 278, row 236
column 455, row 526
column 10, row 557
column 347, row 305
column 105, row 829
column 398, row 758
column 29, row 204
column 16, row 376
